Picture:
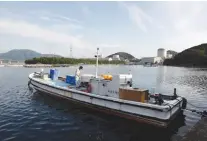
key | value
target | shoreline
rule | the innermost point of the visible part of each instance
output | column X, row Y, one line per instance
column 60, row 65
column 186, row 66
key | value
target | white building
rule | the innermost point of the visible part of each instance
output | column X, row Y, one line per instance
column 116, row 57
column 168, row 56
column 161, row 52
column 110, row 59
column 150, row 60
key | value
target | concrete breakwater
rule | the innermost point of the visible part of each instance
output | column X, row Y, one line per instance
column 45, row 65
column 198, row 132
column 11, row 65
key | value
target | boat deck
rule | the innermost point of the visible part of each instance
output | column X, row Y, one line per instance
column 59, row 83
column 149, row 112
column 62, row 84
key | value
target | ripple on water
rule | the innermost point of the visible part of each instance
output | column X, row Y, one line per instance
column 31, row 116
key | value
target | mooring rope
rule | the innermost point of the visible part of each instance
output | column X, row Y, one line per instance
column 197, row 106
column 202, row 113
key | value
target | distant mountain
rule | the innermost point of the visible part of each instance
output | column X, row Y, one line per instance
column 23, row 54
column 122, row 55
column 19, row 54
column 195, row 56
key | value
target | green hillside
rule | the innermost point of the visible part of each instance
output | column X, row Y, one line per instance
column 195, row 56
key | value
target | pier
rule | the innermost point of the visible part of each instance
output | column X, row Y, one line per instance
column 37, row 66
column 198, row 132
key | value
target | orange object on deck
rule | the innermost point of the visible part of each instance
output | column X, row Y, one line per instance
column 107, row 76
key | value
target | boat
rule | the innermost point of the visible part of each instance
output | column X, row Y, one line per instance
column 112, row 94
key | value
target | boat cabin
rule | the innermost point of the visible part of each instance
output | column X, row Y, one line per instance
column 110, row 87
column 115, row 86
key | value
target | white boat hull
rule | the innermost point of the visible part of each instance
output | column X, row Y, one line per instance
column 145, row 112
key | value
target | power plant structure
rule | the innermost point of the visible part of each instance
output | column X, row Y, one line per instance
column 161, row 52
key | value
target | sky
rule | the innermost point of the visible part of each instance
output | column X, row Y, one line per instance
column 138, row 28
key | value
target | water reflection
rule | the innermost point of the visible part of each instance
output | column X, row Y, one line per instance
column 126, row 129
column 160, row 75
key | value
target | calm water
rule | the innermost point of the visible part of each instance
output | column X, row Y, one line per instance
column 30, row 116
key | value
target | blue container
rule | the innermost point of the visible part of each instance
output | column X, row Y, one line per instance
column 70, row 80
column 54, row 73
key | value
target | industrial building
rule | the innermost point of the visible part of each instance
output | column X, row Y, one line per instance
column 168, row 56
column 161, row 52
column 154, row 60
column 150, row 60
column 116, row 57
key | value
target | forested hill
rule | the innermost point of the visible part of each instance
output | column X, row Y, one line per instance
column 194, row 57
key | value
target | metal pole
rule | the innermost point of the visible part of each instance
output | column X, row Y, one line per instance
column 97, row 63
column 174, row 91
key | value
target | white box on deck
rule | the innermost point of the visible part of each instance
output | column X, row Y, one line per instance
column 95, row 85
column 110, row 87
column 103, row 87
column 86, row 77
column 113, row 87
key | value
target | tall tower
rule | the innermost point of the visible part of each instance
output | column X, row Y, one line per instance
column 71, row 52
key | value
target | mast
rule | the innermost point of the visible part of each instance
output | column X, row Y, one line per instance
column 71, row 51
column 97, row 63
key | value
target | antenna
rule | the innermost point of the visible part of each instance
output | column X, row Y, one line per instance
column 97, row 63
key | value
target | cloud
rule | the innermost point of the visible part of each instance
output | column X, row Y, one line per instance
column 137, row 15
column 45, row 18
column 186, row 24
column 172, row 25
column 185, row 15
column 65, row 18
column 42, row 31
column 185, row 40
column 60, row 26
column 66, row 27
column 26, row 29
column 47, row 15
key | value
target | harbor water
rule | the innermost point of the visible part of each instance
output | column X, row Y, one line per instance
column 26, row 115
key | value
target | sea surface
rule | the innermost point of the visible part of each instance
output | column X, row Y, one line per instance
column 31, row 116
